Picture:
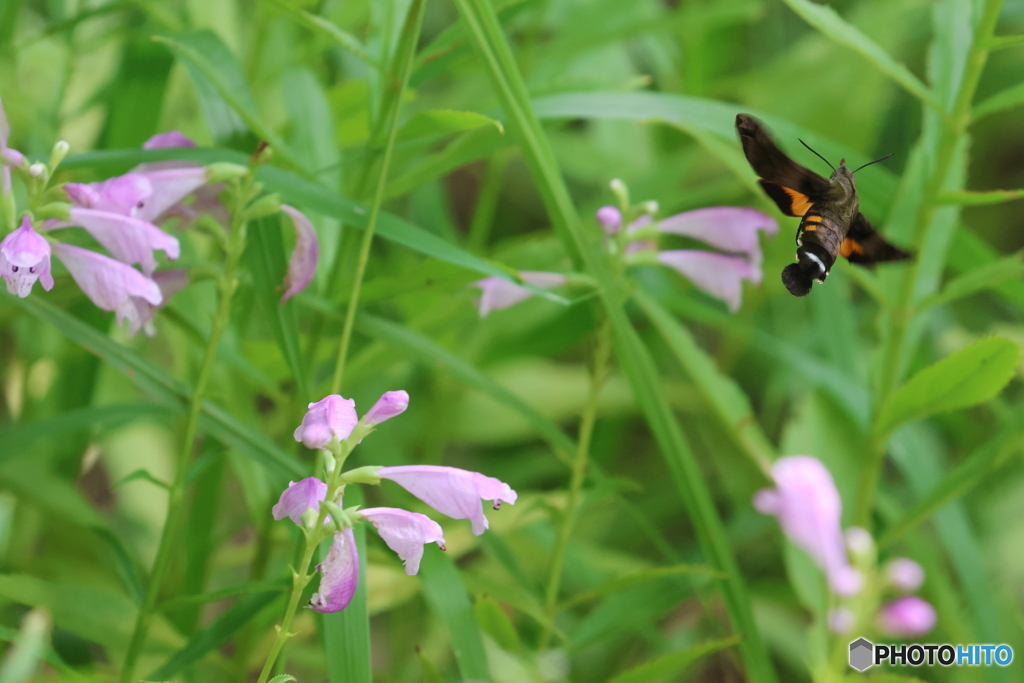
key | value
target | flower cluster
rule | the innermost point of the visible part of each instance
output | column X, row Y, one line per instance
column 808, row 507
column 733, row 230
column 123, row 215
column 333, row 426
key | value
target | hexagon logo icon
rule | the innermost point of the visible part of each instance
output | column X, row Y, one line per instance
column 861, row 651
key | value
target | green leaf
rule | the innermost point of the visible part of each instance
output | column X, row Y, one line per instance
column 216, row 634
column 473, row 145
column 971, row 198
column 430, row 672
column 970, row 376
column 282, row 678
column 673, row 663
column 447, row 597
column 445, row 122
column 126, row 566
column 985, row 276
column 496, row 624
column 204, row 52
column 832, row 25
column 636, row 578
column 180, row 601
column 1006, row 99
column 342, row 38
column 165, row 389
column 143, row 475
column 265, row 257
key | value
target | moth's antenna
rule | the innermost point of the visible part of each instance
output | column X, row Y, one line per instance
column 819, row 156
column 877, row 160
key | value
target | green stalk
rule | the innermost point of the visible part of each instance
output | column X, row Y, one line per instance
column 404, row 57
column 602, row 352
column 634, row 358
column 176, row 503
column 902, row 313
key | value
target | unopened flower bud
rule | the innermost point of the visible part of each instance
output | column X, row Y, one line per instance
column 650, row 207
column 859, row 542
column 610, row 219
column 620, row 191
column 36, row 170
column 266, row 205
column 389, row 405
column 904, row 574
column 907, row 617
column 60, row 150
column 362, row 475
column 222, row 171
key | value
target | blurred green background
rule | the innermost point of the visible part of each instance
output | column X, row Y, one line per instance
column 604, row 75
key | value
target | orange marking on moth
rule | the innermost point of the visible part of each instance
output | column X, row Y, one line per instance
column 850, row 246
column 801, row 202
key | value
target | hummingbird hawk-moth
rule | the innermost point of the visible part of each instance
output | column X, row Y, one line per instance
column 831, row 222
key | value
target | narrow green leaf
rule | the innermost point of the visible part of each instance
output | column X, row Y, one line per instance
column 180, row 601
column 495, row 623
column 957, row 482
column 1007, row 99
column 265, row 257
column 471, row 146
column 636, row 578
column 143, row 475
column 730, row 404
column 986, row 276
column 444, row 122
column 342, row 38
column 165, row 389
column 832, row 25
column 124, row 563
column 447, row 597
column 215, row 635
column 970, row 198
column 970, row 376
column 204, row 51
column 430, row 672
column 999, row 42
column 282, row 678
column 673, row 663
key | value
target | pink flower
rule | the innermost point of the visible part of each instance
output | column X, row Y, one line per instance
column 121, row 194
column 904, row 574
column 330, row 418
column 610, row 219
column 906, row 617
column 170, row 186
column 108, row 283
column 729, row 228
column 299, row 497
column 808, row 508
column 340, row 575
column 302, row 265
column 8, row 157
column 389, row 405
column 719, row 275
column 451, row 491
column 129, row 240
column 406, row 533
column 499, row 293
column 25, row 258
column 169, row 139
column 170, row 283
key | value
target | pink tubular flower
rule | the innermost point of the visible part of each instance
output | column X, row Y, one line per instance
column 500, row 293
column 129, row 240
column 302, row 265
column 904, row 574
column 406, row 533
column 906, row 617
column 25, row 258
column 610, row 219
column 719, row 275
column 451, row 491
column 333, row 417
column 389, row 405
column 170, row 283
column 729, row 228
column 299, row 497
column 170, row 186
column 340, row 575
column 808, row 508
column 108, row 283
column 171, row 138
column 121, row 194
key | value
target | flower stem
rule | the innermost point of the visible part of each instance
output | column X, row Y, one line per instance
column 398, row 77
column 176, row 503
column 602, row 352
column 901, row 315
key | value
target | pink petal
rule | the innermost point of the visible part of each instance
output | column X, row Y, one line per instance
column 719, row 275
column 121, row 194
column 340, row 575
column 302, row 265
column 129, row 239
column 451, row 491
column 406, row 533
column 170, row 186
column 907, row 617
column 904, row 574
column 108, row 283
column 808, row 508
column 25, row 258
column 169, row 139
column 299, row 497
column 610, row 219
column 729, row 228
column 389, row 405
column 332, row 417
column 170, row 282
column 499, row 293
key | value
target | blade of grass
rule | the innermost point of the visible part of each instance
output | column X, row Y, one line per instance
column 443, row 589
column 496, row 56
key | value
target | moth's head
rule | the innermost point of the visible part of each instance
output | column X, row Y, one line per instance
column 843, row 176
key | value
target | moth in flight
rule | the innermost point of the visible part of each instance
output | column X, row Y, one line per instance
column 831, row 223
